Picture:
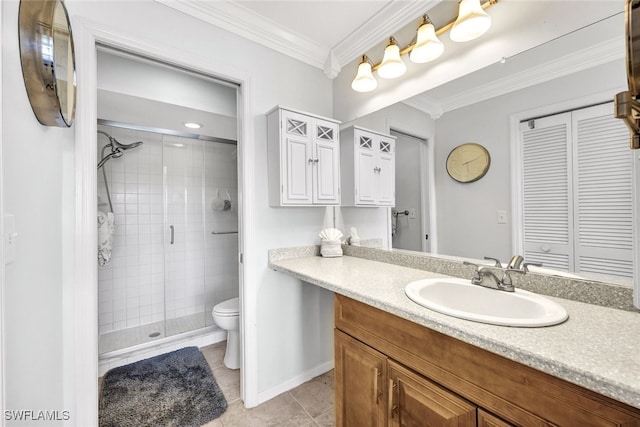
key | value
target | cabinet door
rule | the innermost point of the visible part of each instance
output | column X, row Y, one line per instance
column 296, row 162
column 386, row 172
column 326, row 164
column 486, row 419
column 365, row 174
column 360, row 374
column 415, row 401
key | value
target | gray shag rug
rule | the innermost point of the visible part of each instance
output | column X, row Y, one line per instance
column 172, row 389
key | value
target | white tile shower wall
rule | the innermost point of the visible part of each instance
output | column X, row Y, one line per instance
column 149, row 279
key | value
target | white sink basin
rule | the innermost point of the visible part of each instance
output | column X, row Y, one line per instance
column 460, row 298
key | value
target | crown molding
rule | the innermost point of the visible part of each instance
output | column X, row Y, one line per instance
column 580, row 60
column 425, row 104
column 235, row 18
column 240, row 20
column 379, row 27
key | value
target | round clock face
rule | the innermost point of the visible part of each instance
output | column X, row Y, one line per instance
column 468, row 162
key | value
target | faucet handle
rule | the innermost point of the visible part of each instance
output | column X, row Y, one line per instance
column 506, row 279
column 471, row 264
column 496, row 260
column 525, row 266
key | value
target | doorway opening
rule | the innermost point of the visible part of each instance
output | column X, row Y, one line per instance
column 410, row 218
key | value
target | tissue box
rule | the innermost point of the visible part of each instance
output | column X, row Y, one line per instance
column 330, row 248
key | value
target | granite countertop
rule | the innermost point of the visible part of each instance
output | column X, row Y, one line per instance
column 597, row 347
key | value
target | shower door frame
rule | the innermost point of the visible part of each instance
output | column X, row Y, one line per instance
column 82, row 394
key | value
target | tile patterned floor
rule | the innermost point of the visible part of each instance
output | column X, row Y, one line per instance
column 308, row 405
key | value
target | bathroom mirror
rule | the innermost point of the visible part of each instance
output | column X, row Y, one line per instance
column 468, row 219
column 48, row 61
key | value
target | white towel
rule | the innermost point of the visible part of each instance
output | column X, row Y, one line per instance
column 106, row 227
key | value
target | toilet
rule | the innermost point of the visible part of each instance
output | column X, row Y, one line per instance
column 227, row 316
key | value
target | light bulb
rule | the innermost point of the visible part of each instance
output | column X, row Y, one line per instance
column 472, row 22
column 392, row 65
column 428, row 47
column 364, row 80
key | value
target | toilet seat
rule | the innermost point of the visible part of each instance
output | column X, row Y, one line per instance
column 227, row 308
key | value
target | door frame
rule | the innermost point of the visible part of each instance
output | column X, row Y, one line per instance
column 3, row 236
column 427, row 182
column 82, row 321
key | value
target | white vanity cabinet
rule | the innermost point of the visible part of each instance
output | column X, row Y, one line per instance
column 368, row 167
column 304, row 159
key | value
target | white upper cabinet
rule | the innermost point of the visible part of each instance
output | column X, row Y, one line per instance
column 304, row 159
column 368, row 167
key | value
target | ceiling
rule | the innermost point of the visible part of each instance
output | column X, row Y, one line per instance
column 325, row 34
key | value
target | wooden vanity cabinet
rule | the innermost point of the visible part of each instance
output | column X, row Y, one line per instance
column 392, row 372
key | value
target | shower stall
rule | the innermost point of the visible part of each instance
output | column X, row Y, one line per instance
column 172, row 252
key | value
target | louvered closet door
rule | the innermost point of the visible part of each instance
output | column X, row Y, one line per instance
column 546, row 178
column 604, row 193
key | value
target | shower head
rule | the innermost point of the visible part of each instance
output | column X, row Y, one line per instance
column 117, row 148
column 117, row 145
column 114, row 154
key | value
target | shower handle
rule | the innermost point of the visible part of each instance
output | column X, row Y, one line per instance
column 172, row 233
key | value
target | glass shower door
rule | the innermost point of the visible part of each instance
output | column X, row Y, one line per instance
column 185, row 234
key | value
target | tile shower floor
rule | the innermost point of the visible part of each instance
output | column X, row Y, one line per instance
column 308, row 405
column 123, row 338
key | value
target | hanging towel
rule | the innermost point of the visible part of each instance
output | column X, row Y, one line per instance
column 106, row 227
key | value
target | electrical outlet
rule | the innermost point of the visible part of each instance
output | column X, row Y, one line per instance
column 502, row 217
column 412, row 213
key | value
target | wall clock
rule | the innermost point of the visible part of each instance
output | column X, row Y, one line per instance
column 468, row 162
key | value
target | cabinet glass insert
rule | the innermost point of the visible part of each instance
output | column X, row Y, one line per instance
column 366, row 142
column 325, row 133
column 296, row 127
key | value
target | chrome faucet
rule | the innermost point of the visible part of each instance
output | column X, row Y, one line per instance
column 516, row 262
column 484, row 276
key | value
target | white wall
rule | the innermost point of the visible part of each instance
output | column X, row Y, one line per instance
column 140, row 78
column 467, row 223
column 33, row 159
column 294, row 320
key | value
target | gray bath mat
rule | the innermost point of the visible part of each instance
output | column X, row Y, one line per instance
column 172, row 389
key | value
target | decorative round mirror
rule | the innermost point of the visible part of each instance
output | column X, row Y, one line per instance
column 48, row 61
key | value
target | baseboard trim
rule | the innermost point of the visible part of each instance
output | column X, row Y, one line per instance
column 294, row 382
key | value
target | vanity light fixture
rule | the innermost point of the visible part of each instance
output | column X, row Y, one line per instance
column 428, row 46
column 364, row 81
column 192, row 125
column 471, row 23
column 392, row 65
